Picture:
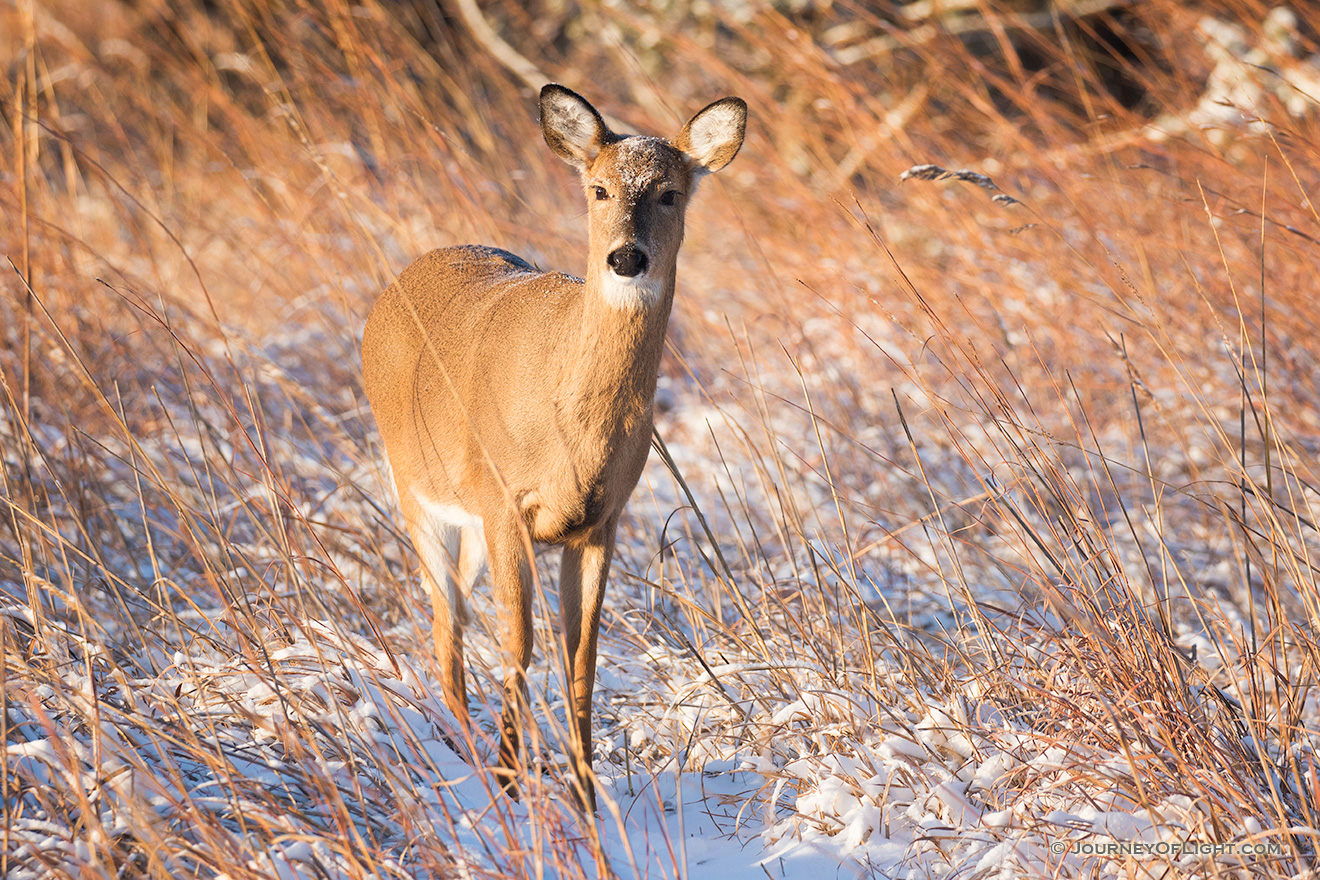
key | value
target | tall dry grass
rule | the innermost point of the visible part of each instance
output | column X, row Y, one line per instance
column 1029, row 477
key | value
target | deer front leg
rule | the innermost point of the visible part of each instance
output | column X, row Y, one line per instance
column 581, row 589
column 511, row 579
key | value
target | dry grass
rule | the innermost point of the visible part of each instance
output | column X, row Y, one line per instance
column 1006, row 505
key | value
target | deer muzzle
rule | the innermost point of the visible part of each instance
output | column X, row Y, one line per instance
column 627, row 261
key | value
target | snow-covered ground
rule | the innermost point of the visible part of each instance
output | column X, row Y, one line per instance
column 825, row 786
column 204, row 694
column 988, row 548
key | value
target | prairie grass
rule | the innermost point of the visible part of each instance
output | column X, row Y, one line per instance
column 982, row 514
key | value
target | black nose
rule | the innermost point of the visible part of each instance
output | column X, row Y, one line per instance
column 627, row 261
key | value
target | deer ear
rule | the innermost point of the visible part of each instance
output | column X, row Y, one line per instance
column 572, row 127
column 711, row 138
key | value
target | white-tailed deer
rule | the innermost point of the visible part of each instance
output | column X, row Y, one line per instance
column 515, row 405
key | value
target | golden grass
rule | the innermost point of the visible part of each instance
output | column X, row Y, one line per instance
column 1035, row 475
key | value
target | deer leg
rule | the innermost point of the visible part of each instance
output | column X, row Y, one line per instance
column 581, row 589
column 471, row 560
column 437, row 543
column 511, row 579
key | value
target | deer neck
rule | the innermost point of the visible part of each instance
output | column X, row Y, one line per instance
column 612, row 377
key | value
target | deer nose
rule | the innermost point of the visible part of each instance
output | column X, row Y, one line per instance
column 627, row 261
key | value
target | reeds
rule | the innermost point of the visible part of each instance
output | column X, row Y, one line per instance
column 979, row 525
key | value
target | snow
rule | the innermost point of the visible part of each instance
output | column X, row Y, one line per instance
column 273, row 706
column 899, row 805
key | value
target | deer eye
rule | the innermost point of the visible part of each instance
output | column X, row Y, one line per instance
column 669, row 197
column 601, row 193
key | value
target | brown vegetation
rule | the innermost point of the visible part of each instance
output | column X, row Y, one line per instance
column 1029, row 477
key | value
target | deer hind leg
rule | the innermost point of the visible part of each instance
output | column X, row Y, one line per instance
column 581, row 590
column 511, row 580
column 441, row 535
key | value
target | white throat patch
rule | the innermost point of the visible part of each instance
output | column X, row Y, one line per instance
column 630, row 293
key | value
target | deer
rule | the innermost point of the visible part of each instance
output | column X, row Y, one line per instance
column 515, row 405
